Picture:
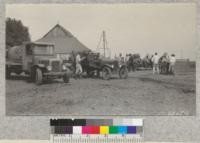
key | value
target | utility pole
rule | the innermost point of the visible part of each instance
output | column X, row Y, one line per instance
column 105, row 44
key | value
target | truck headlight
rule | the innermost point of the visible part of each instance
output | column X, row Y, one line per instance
column 64, row 67
column 49, row 68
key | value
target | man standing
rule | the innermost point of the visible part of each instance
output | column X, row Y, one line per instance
column 127, row 58
column 172, row 61
column 79, row 69
column 120, row 59
column 155, row 61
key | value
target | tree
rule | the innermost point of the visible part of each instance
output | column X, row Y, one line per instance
column 16, row 32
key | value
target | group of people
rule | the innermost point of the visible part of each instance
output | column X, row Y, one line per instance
column 160, row 64
column 131, row 60
column 164, row 64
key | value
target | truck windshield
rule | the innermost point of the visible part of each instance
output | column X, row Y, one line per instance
column 43, row 50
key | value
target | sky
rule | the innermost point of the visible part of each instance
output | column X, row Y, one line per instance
column 130, row 28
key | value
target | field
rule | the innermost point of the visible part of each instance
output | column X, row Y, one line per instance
column 141, row 94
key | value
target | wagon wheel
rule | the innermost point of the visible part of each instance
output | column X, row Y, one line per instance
column 106, row 73
column 123, row 73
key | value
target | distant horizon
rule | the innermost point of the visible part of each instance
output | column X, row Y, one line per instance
column 130, row 28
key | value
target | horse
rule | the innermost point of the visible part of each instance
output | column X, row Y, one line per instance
column 164, row 65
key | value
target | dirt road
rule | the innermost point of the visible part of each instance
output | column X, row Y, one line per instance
column 141, row 94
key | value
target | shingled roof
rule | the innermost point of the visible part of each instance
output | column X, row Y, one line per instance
column 64, row 41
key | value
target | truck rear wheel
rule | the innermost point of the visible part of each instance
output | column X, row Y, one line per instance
column 66, row 78
column 38, row 76
column 106, row 73
column 123, row 73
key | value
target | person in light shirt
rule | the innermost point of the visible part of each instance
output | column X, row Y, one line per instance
column 120, row 58
column 127, row 58
column 79, row 69
column 172, row 61
column 155, row 61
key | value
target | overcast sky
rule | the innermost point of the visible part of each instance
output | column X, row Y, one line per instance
column 138, row 28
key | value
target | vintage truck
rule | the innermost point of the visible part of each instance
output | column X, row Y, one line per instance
column 38, row 60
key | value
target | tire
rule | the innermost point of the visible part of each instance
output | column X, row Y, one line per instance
column 66, row 78
column 38, row 76
column 106, row 73
column 123, row 73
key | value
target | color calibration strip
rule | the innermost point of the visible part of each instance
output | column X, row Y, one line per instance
column 96, row 130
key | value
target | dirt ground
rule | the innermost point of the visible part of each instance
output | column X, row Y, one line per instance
column 141, row 94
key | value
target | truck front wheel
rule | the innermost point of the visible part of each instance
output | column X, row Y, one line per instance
column 106, row 73
column 38, row 76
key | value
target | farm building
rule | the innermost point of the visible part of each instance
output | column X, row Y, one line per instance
column 64, row 42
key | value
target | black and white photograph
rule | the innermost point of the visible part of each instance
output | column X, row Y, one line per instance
column 101, row 59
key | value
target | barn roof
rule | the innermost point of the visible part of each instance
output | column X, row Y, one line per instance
column 63, row 40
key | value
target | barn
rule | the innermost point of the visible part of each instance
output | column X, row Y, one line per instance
column 65, row 43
